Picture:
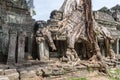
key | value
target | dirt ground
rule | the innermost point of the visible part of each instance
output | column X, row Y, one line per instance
column 95, row 75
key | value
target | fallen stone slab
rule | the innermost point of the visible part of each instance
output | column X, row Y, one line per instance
column 46, row 72
column 10, row 71
column 1, row 72
column 27, row 74
column 38, row 71
column 13, row 76
column 35, row 78
column 4, row 78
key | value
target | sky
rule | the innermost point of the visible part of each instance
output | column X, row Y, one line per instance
column 43, row 8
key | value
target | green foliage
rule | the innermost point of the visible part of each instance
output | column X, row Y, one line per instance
column 90, row 70
column 117, row 71
column 34, row 12
column 79, row 79
column 115, row 74
column 113, row 79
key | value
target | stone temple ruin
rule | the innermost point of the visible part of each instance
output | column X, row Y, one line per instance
column 16, row 25
column 108, row 18
column 107, row 21
column 74, row 38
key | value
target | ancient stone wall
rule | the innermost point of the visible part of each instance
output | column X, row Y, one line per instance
column 14, row 16
column 117, row 16
column 111, row 22
column 103, row 16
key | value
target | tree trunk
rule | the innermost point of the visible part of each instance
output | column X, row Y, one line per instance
column 78, row 15
column 92, row 38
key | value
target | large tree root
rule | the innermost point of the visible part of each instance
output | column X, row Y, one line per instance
column 103, row 66
column 72, row 55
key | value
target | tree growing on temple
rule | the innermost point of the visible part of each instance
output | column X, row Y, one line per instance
column 79, row 25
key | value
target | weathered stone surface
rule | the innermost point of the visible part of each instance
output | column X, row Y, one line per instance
column 47, row 71
column 21, row 47
column 103, row 16
column 31, row 75
column 39, row 72
column 57, row 72
column 35, row 78
column 23, row 74
column 4, row 78
column 10, row 71
column 1, row 72
column 13, row 76
column 43, row 51
column 12, row 48
column 36, row 69
column 17, row 17
column 116, row 12
column 27, row 64
column 27, row 74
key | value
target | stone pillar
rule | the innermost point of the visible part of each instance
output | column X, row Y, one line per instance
column 12, row 48
column 21, row 47
column 46, row 54
column 43, row 51
column 117, row 46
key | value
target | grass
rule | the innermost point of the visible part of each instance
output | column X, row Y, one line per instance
column 78, row 79
column 115, row 74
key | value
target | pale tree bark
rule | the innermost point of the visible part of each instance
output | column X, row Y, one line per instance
column 68, row 7
column 78, row 23
column 95, row 50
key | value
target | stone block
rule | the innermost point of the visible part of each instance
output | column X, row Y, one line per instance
column 1, row 72
column 35, row 78
column 10, row 71
column 36, row 70
column 13, row 76
column 27, row 74
column 57, row 72
column 4, row 78
column 39, row 72
column 103, row 16
column 47, row 71
column 23, row 74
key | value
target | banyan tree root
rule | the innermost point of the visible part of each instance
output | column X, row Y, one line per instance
column 71, row 55
column 46, row 33
column 77, row 22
